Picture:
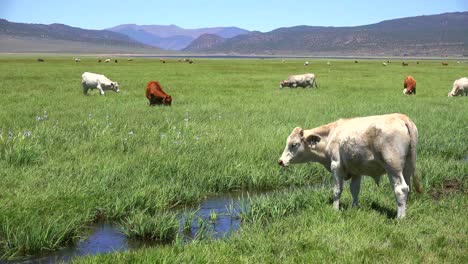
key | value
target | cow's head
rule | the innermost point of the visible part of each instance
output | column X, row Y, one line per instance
column 167, row 100
column 455, row 91
column 115, row 86
column 284, row 83
column 297, row 147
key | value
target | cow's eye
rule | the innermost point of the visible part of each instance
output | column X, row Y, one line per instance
column 294, row 145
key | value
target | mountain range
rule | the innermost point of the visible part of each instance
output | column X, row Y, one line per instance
column 433, row 35
column 172, row 37
column 23, row 37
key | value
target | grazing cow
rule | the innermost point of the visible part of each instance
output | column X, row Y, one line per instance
column 107, row 60
column 190, row 61
column 40, row 60
column 129, row 59
column 444, row 63
column 302, row 80
column 155, row 94
column 409, row 85
column 350, row 148
column 115, row 61
column 98, row 81
column 355, row 61
column 99, row 60
column 306, row 63
column 77, row 59
column 404, row 64
column 384, row 64
column 460, row 87
column 328, row 63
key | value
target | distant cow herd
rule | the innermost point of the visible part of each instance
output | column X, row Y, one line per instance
column 156, row 95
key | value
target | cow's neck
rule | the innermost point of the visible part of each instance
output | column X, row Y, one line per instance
column 320, row 153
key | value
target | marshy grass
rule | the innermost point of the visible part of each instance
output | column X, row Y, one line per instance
column 162, row 227
column 77, row 158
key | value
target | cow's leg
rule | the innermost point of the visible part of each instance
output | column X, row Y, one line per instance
column 338, row 187
column 355, row 187
column 85, row 88
column 101, row 91
column 400, row 188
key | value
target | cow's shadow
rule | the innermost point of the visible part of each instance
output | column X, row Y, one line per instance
column 389, row 213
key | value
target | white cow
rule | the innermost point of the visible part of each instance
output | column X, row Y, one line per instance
column 107, row 60
column 77, row 59
column 350, row 148
column 97, row 81
column 302, row 80
column 306, row 63
column 460, row 87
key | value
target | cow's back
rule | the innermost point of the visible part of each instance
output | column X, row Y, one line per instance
column 93, row 78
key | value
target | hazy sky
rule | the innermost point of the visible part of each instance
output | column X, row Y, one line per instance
column 262, row 15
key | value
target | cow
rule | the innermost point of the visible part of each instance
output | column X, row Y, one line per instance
column 444, row 63
column 384, row 64
column 404, row 64
column 77, row 59
column 129, row 59
column 355, row 61
column 116, row 61
column 155, row 94
column 306, row 63
column 40, row 60
column 99, row 60
column 460, row 87
column 107, row 60
column 350, row 148
column 302, row 80
column 409, row 85
column 98, row 81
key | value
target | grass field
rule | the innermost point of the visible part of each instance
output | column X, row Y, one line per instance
column 67, row 160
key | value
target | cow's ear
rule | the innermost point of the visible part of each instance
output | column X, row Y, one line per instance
column 112, row 84
column 312, row 140
column 299, row 131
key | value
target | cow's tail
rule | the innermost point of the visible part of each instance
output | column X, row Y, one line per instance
column 410, row 164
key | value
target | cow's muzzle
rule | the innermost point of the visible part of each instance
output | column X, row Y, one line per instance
column 281, row 163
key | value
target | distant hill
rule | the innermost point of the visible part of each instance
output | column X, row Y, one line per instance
column 22, row 37
column 204, row 42
column 172, row 37
column 434, row 35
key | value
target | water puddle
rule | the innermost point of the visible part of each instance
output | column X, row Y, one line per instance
column 217, row 215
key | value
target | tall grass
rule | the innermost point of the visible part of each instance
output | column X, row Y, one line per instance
column 114, row 156
column 161, row 227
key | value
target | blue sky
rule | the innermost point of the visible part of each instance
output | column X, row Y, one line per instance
column 262, row 15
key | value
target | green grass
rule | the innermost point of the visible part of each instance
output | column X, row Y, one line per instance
column 114, row 156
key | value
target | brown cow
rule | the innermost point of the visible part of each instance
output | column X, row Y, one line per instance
column 444, row 63
column 404, row 64
column 409, row 85
column 156, row 95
